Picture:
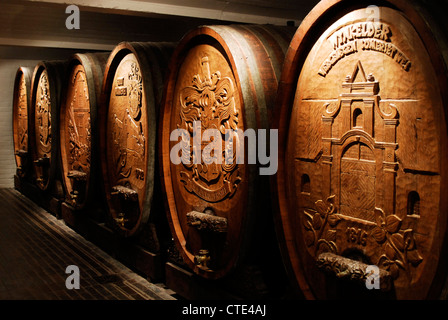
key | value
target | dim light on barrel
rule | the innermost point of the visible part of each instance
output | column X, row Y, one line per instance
column 21, row 105
column 363, row 143
column 221, row 78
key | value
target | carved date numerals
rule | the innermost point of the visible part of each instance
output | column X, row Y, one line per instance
column 356, row 235
column 139, row 174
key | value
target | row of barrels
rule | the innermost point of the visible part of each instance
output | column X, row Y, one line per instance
column 358, row 95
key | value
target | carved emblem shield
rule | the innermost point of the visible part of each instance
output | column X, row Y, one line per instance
column 209, row 104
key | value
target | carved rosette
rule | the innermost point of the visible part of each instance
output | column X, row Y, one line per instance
column 209, row 104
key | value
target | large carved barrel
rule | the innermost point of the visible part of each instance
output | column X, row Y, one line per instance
column 363, row 144
column 223, row 79
column 131, row 96
column 20, row 109
column 46, row 91
column 79, row 140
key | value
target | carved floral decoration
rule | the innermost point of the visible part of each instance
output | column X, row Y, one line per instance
column 399, row 249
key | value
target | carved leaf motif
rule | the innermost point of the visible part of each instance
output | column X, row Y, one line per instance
column 390, row 252
column 400, row 264
column 317, row 221
column 307, row 225
column 394, row 271
column 383, row 261
column 330, row 245
column 333, row 219
column 321, row 207
column 309, row 238
column 331, row 199
column 307, row 221
column 379, row 216
column 409, row 242
column 333, row 247
column 414, row 257
column 398, row 241
column 393, row 223
column 378, row 234
column 331, row 235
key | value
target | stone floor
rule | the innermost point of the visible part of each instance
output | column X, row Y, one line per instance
column 36, row 248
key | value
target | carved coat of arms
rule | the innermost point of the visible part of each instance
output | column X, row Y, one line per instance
column 209, row 103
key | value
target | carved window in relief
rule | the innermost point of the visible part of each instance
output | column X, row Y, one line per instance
column 306, row 184
column 358, row 120
column 413, row 204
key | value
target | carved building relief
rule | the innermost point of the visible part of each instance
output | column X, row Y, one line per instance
column 366, row 148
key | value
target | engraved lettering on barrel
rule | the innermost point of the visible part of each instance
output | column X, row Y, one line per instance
column 210, row 102
column 139, row 174
column 363, row 36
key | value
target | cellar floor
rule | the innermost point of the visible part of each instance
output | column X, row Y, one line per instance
column 36, row 248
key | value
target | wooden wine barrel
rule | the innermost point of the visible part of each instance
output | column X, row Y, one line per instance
column 362, row 177
column 221, row 77
column 131, row 96
column 20, row 109
column 79, row 140
column 46, row 90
